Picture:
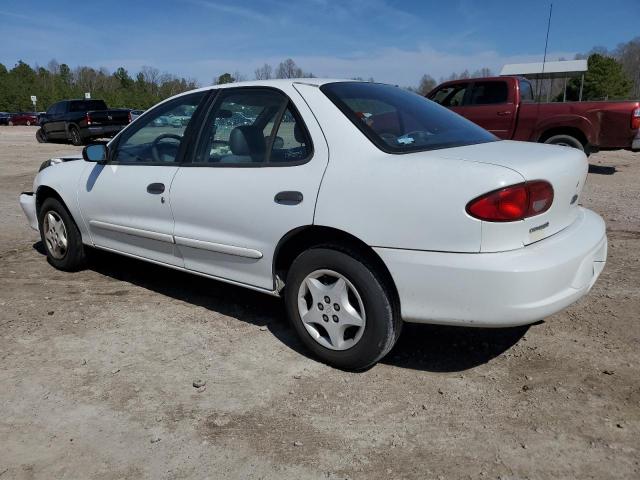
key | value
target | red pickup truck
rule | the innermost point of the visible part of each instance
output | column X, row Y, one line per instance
column 505, row 106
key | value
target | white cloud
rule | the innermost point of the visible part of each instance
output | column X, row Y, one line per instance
column 390, row 65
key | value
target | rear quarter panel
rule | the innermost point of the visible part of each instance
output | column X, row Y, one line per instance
column 411, row 201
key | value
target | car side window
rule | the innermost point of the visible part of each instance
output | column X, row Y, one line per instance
column 526, row 92
column 451, row 96
column 252, row 127
column 291, row 142
column 52, row 109
column 489, row 93
column 156, row 137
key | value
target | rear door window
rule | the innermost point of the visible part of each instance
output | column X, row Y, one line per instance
column 526, row 92
column 252, row 127
column 489, row 93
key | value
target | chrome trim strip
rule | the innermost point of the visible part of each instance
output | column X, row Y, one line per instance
column 161, row 237
column 195, row 272
column 219, row 248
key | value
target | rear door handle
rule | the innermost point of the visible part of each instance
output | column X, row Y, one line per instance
column 288, row 198
column 505, row 113
column 155, row 188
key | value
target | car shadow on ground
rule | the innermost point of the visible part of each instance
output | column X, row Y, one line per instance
column 432, row 348
column 601, row 169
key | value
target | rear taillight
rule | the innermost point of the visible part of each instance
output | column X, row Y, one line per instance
column 513, row 203
column 88, row 119
column 635, row 119
column 129, row 116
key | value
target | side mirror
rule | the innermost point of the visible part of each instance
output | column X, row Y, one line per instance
column 96, row 152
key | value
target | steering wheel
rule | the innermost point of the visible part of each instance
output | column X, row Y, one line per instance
column 155, row 151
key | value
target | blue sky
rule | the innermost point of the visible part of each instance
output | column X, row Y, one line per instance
column 392, row 41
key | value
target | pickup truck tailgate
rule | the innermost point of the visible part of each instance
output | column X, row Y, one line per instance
column 108, row 117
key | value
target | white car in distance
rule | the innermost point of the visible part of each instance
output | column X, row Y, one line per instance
column 363, row 205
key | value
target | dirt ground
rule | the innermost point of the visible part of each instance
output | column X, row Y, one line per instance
column 97, row 367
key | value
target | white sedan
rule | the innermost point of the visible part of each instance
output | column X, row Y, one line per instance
column 363, row 205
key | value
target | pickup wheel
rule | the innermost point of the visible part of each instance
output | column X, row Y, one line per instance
column 41, row 137
column 76, row 138
column 60, row 235
column 341, row 307
column 566, row 140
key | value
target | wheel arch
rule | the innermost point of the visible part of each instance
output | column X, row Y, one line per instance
column 309, row 236
column 574, row 132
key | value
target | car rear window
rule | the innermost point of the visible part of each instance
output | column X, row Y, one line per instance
column 398, row 121
column 87, row 105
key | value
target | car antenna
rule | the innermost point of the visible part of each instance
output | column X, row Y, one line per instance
column 544, row 59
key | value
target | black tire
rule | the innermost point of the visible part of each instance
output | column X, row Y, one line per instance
column 76, row 138
column 41, row 137
column 383, row 323
column 75, row 257
column 566, row 140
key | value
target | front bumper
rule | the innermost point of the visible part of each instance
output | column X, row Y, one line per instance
column 28, row 204
column 500, row 289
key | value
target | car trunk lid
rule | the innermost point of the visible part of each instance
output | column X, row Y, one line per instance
column 565, row 168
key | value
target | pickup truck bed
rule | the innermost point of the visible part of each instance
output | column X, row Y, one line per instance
column 505, row 107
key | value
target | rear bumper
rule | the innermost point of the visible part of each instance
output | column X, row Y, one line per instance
column 28, row 204
column 101, row 131
column 500, row 289
column 635, row 145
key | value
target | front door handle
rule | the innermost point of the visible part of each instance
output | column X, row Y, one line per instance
column 288, row 198
column 504, row 114
column 155, row 188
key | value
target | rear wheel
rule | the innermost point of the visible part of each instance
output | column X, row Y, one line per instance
column 565, row 140
column 41, row 136
column 76, row 138
column 60, row 235
column 341, row 307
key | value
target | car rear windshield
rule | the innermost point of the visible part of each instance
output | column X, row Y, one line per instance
column 398, row 121
column 87, row 106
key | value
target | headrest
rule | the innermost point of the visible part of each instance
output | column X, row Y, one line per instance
column 247, row 140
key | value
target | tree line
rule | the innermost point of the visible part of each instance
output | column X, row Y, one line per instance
column 58, row 81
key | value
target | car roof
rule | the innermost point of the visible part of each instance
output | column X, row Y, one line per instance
column 277, row 83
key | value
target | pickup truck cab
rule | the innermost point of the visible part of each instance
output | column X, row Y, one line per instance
column 80, row 121
column 506, row 107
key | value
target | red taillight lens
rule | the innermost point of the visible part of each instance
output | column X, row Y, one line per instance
column 635, row 119
column 516, row 202
column 88, row 119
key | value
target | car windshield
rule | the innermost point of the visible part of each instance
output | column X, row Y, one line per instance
column 398, row 121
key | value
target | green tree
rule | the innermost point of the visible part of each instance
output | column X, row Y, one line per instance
column 604, row 80
column 224, row 78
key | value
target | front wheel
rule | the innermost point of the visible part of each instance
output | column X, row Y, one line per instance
column 341, row 307
column 60, row 235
